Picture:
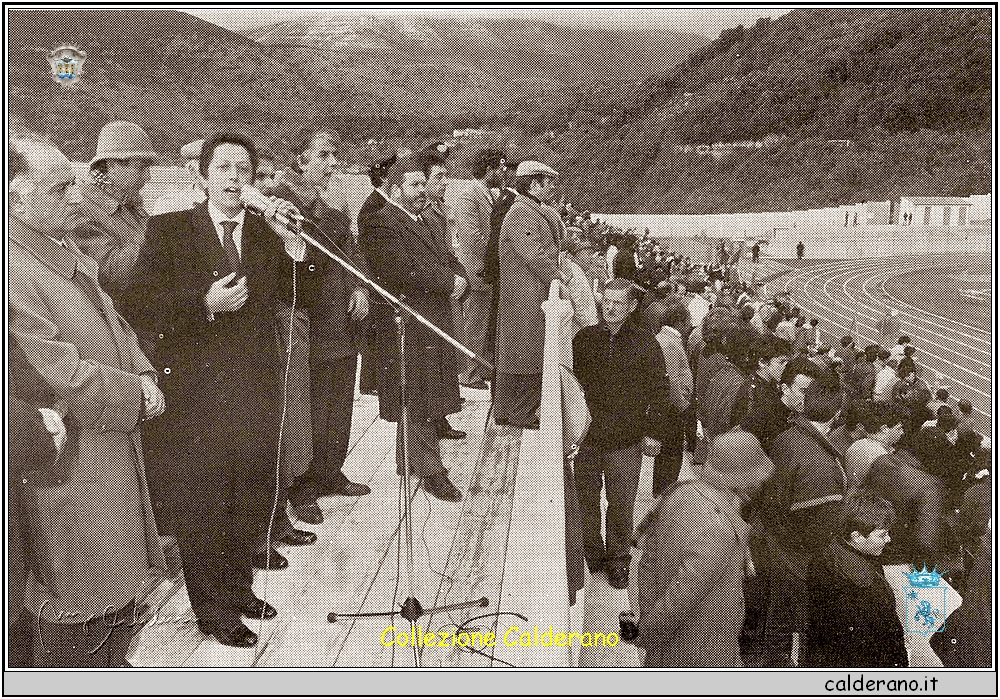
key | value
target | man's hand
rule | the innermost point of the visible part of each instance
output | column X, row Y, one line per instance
column 460, row 286
column 650, row 446
column 152, row 398
column 54, row 424
column 358, row 307
column 277, row 216
column 225, row 299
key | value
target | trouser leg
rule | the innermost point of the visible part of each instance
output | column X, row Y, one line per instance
column 667, row 466
column 588, row 474
column 424, row 451
column 476, row 317
column 517, row 399
column 332, row 411
column 621, row 479
column 19, row 632
column 281, row 525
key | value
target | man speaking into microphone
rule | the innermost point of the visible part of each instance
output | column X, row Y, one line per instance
column 206, row 287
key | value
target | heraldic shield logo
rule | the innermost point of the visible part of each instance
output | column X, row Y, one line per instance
column 926, row 601
column 67, row 64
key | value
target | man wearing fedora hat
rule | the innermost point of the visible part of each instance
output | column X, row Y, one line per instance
column 114, row 226
column 528, row 262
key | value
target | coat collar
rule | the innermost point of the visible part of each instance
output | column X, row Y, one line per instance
column 418, row 227
column 806, row 426
column 64, row 261
column 205, row 238
column 483, row 191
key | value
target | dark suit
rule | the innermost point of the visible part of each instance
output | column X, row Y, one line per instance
column 213, row 453
column 408, row 259
column 333, row 342
column 377, row 310
column 491, row 264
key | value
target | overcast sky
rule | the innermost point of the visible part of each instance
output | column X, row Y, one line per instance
column 708, row 21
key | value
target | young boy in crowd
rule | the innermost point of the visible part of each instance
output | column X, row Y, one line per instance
column 852, row 609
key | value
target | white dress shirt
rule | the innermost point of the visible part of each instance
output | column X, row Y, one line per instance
column 218, row 217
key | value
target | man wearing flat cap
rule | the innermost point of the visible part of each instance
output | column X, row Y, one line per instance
column 114, row 226
column 190, row 196
column 528, row 254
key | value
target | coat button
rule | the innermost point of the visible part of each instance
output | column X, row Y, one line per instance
column 215, row 272
column 161, row 336
column 312, row 268
column 166, row 370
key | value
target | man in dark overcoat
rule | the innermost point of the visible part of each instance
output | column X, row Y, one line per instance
column 408, row 258
column 206, row 287
column 377, row 308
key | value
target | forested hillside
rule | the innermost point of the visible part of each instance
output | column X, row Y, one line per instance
column 819, row 107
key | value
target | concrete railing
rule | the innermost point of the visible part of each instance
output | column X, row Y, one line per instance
column 539, row 535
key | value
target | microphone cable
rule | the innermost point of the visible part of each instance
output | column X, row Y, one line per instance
column 281, row 436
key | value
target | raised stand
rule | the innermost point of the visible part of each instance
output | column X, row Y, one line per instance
column 411, row 609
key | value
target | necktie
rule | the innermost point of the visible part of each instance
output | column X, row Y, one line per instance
column 229, row 245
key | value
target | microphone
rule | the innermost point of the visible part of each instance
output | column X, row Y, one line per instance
column 253, row 199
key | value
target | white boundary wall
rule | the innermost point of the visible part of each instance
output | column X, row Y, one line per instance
column 821, row 230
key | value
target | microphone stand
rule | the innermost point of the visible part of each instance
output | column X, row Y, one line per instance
column 411, row 609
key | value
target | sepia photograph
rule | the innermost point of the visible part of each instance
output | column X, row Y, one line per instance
column 595, row 341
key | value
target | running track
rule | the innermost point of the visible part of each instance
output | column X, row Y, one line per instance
column 838, row 293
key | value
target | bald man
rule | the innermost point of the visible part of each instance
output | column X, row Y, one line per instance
column 90, row 527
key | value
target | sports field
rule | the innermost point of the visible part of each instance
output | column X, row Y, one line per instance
column 945, row 305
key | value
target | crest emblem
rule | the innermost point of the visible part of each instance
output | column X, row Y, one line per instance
column 926, row 602
column 67, row 64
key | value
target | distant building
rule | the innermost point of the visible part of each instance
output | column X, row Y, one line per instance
column 934, row 211
column 982, row 208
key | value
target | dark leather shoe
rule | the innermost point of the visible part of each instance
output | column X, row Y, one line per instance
column 310, row 514
column 239, row 636
column 298, row 537
column 442, row 488
column 273, row 562
column 478, row 385
column 595, row 568
column 259, row 609
column 343, row 486
column 446, row 431
column 618, row 577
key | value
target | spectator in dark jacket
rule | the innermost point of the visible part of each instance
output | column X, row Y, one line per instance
column 864, row 372
column 35, row 435
column 918, row 499
column 758, row 408
column 620, row 366
column 852, row 609
column 800, row 507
